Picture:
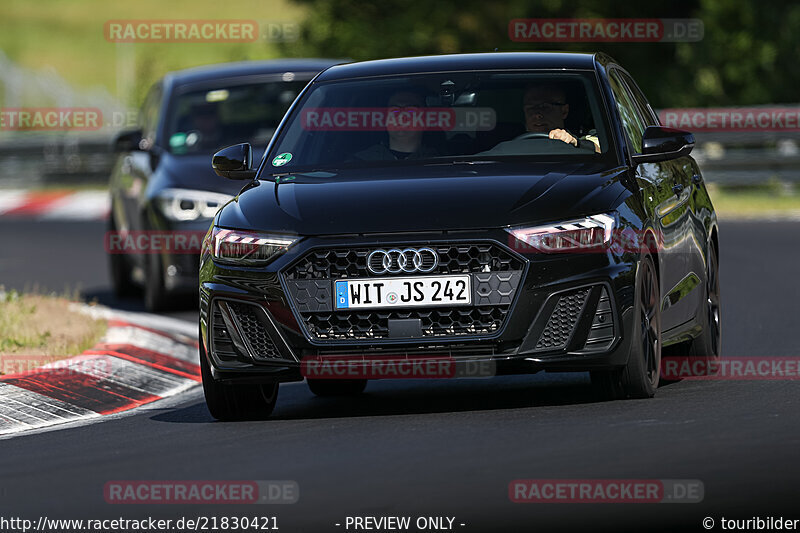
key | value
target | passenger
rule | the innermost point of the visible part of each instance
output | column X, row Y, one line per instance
column 401, row 143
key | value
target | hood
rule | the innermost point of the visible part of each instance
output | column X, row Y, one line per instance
column 438, row 197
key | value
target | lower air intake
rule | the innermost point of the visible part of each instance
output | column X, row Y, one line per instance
column 601, row 333
column 563, row 320
column 240, row 331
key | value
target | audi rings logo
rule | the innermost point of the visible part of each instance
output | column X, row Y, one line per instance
column 409, row 260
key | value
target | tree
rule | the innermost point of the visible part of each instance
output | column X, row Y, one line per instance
column 746, row 57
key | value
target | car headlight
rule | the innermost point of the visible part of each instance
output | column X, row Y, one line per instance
column 188, row 204
column 247, row 247
column 590, row 233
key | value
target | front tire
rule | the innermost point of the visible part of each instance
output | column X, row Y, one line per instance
column 640, row 376
column 229, row 403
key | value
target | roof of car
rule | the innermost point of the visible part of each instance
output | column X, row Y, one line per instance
column 247, row 68
column 467, row 62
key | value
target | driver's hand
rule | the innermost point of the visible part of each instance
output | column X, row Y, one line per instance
column 563, row 135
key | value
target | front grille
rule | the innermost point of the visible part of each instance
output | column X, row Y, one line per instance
column 563, row 320
column 496, row 274
column 453, row 259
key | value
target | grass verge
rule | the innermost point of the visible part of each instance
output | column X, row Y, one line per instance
column 770, row 201
column 40, row 329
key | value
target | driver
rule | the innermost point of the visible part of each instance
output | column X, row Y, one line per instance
column 546, row 107
column 205, row 122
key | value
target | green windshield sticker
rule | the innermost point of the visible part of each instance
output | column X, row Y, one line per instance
column 281, row 159
column 179, row 139
column 178, row 143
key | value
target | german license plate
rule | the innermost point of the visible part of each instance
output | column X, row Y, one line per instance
column 403, row 292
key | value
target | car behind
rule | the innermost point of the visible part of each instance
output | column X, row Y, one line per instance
column 163, row 193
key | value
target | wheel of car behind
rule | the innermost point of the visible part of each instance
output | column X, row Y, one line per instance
column 121, row 280
column 709, row 343
column 337, row 387
column 640, row 377
column 236, row 402
column 155, row 295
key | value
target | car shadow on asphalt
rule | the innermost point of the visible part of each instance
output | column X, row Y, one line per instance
column 403, row 397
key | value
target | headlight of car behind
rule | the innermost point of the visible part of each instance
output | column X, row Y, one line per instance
column 186, row 204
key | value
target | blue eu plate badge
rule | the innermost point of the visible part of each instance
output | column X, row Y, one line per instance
column 341, row 295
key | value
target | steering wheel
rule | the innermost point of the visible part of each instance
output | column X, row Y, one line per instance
column 533, row 135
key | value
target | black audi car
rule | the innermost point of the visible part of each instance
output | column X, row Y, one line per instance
column 522, row 209
column 162, row 186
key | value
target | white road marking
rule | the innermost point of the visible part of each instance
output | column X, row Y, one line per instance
column 151, row 341
column 11, row 199
column 78, row 205
column 83, row 205
column 22, row 410
column 161, row 323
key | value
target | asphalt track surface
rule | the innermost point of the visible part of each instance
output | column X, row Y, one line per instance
column 434, row 448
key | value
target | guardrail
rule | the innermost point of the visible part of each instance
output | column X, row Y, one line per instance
column 743, row 145
column 727, row 158
column 55, row 160
column 30, row 159
column 748, row 166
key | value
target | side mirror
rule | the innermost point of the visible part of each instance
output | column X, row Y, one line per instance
column 234, row 162
column 128, row 141
column 662, row 144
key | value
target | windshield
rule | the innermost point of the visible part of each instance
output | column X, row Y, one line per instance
column 206, row 120
column 413, row 119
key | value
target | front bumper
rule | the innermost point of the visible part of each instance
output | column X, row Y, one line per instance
column 558, row 312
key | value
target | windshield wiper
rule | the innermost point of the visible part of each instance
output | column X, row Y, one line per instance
column 465, row 162
column 298, row 172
